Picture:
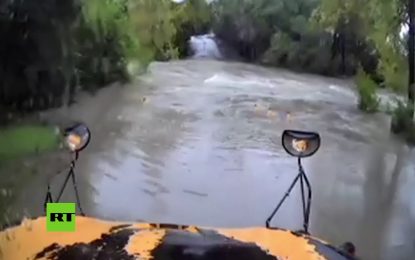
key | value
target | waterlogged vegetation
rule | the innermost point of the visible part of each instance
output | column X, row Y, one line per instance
column 52, row 51
column 20, row 140
column 368, row 100
column 88, row 44
column 363, row 39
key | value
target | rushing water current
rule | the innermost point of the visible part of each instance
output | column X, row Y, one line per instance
column 198, row 142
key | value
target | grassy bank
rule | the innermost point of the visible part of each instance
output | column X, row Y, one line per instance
column 18, row 142
column 25, row 140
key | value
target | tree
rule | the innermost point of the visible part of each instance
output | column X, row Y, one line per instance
column 382, row 22
column 36, row 47
column 153, row 24
column 50, row 50
column 250, row 25
column 411, row 57
column 106, row 41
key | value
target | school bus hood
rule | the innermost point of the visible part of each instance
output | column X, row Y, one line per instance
column 98, row 239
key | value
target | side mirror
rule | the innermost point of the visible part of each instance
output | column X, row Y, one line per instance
column 299, row 143
column 77, row 137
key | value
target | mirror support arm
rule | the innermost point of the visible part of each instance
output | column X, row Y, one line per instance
column 71, row 174
column 306, row 206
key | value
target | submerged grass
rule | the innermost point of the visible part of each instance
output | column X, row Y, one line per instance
column 403, row 123
column 368, row 99
column 25, row 140
column 17, row 142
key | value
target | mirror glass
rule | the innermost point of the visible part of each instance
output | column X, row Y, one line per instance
column 300, row 143
column 77, row 137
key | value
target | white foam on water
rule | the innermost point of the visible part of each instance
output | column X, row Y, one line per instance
column 343, row 90
column 204, row 46
column 231, row 80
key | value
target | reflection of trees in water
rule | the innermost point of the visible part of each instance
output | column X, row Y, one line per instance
column 360, row 205
column 379, row 197
column 157, row 136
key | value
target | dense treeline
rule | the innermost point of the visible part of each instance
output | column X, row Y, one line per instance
column 53, row 48
column 382, row 22
column 35, row 52
column 330, row 37
column 361, row 38
column 286, row 33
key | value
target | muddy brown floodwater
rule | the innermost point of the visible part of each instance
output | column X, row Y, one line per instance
column 198, row 142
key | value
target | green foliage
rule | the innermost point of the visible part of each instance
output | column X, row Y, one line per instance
column 381, row 22
column 378, row 22
column 402, row 122
column 85, row 44
column 368, row 100
column 288, row 33
column 401, row 117
column 37, row 54
column 249, row 25
column 386, row 18
column 190, row 18
column 196, row 13
column 394, row 67
column 24, row 140
column 106, row 42
column 310, row 54
column 152, row 22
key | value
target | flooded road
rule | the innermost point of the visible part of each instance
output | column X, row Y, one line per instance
column 198, row 142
